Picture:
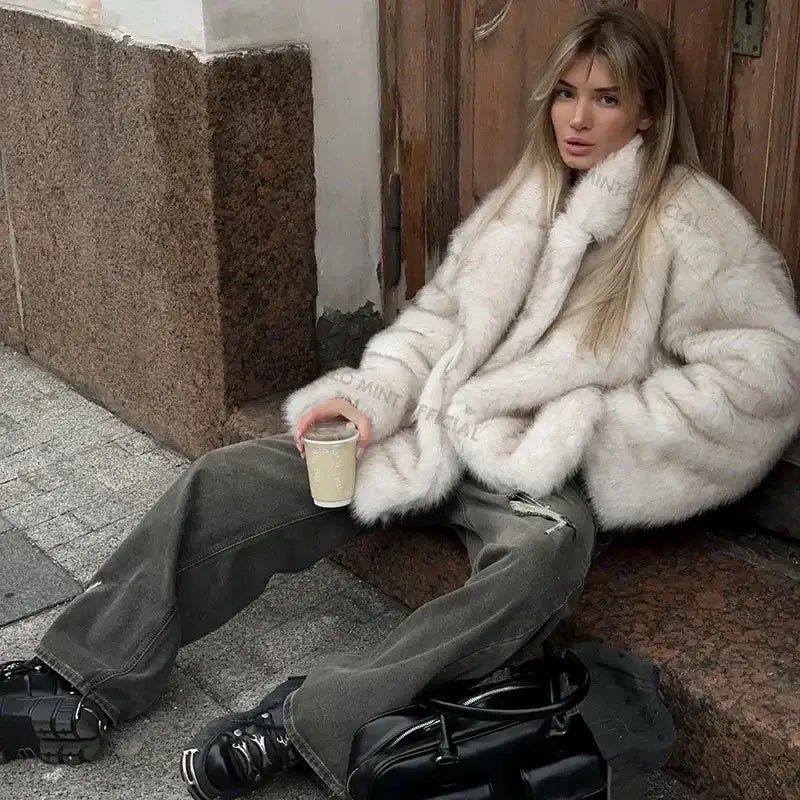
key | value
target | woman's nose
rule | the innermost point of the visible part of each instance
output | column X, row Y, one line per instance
column 582, row 117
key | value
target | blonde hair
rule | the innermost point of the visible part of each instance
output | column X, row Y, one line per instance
column 637, row 56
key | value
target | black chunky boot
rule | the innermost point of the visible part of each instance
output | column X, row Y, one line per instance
column 236, row 754
column 42, row 715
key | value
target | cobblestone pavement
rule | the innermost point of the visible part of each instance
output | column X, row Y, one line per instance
column 74, row 481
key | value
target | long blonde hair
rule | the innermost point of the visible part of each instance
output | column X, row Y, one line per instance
column 637, row 55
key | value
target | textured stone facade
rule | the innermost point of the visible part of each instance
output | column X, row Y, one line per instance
column 163, row 212
column 10, row 323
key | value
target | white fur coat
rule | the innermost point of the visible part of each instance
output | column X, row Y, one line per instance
column 483, row 371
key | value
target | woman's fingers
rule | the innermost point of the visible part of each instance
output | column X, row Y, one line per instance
column 323, row 411
column 330, row 409
column 364, row 433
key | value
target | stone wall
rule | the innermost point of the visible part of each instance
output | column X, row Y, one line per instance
column 162, row 208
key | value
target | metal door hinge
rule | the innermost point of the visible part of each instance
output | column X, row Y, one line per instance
column 394, row 211
column 748, row 27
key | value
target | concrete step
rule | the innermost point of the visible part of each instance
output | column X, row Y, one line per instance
column 255, row 420
column 713, row 602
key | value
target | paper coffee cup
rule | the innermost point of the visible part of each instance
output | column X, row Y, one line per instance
column 330, row 450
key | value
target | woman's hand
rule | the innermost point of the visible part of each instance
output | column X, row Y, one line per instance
column 330, row 409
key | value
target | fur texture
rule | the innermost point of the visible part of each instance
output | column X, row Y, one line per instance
column 483, row 370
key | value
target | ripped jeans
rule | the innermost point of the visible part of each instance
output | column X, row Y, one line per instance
column 240, row 514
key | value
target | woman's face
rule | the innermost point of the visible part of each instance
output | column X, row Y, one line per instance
column 591, row 118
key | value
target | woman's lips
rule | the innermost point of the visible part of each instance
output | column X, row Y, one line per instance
column 575, row 149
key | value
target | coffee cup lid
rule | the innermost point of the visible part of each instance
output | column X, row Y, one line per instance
column 330, row 431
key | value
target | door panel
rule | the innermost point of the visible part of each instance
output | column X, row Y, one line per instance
column 659, row 10
column 746, row 150
column 780, row 102
column 412, row 132
column 509, row 47
column 700, row 33
column 463, row 73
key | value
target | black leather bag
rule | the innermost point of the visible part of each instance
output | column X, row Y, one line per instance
column 517, row 739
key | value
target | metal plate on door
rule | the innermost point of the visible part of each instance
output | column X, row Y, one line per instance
column 748, row 27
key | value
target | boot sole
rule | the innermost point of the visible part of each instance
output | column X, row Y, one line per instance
column 51, row 729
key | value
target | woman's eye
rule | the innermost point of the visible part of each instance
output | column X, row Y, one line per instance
column 609, row 100
column 563, row 93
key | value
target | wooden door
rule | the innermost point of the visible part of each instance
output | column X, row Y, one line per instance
column 457, row 75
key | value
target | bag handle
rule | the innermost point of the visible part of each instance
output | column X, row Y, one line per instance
column 569, row 665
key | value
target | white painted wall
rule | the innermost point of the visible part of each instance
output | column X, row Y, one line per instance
column 343, row 39
column 85, row 11
column 342, row 36
column 175, row 22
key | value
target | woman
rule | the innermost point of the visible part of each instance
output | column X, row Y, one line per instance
column 609, row 311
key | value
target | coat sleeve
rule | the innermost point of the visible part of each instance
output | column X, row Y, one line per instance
column 706, row 427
